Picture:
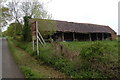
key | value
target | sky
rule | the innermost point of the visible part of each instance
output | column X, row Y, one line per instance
column 103, row 12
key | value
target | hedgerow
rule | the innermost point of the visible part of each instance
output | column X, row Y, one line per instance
column 95, row 60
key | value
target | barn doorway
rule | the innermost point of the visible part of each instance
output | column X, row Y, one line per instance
column 68, row 36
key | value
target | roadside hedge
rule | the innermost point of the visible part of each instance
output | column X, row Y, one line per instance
column 94, row 60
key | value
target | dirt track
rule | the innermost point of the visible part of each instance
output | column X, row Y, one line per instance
column 9, row 67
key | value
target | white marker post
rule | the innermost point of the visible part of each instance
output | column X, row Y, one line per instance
column 37, row 37
column 33, row 34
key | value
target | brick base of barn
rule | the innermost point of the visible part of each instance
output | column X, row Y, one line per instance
column 70, row 36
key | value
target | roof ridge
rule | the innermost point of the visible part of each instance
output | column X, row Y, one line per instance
column 74, row 22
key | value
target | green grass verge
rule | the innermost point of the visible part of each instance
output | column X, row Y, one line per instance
column 98, row 59
column 25, row 62
column 30, row 73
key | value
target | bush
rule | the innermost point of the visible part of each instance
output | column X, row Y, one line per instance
column 96, row 59
column 94, row 50
column 100, row 57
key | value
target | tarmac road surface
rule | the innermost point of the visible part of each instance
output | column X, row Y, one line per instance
column 9, row 67
column 0, row 58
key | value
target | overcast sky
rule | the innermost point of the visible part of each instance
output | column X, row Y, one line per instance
column 103, row 12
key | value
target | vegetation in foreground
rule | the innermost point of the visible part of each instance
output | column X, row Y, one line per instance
column 30, row 67
column 97, row 59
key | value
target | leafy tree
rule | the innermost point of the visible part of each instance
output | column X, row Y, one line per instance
column 32, row 8
column 13, row 31
column 14, row 6
column 26, row 10
column 26, row 29
column 4, row 17
column 35, row 9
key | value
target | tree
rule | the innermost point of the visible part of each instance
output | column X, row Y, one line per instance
column 27, row 35
column 12, row 32
column 5, row 17
column 26, row 10
column 34, row 9
column 15, row 11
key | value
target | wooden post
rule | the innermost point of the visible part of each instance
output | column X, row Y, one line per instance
column 107, row 35
column 90, row 37
column 33, row 45
column 41, row 38
column 102, row 36
column 97, row 36
column 33, row 34
column 62, row 36
column 41, row 42
column 37, row 37
column 73, row 36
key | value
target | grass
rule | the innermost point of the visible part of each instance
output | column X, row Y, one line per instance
column 24, row 62
column 30, row 73
column 111, row 46
column 79, row 45
column 30, row 67
column 97, row 59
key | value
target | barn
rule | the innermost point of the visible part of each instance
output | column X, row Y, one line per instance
column 71, row 31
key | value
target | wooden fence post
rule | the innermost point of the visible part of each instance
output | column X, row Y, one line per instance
column 90, row 37
column 37, row 37
column 102, row 36
column 62, row 36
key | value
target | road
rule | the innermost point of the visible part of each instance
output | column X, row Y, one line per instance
column 9, row 67
column 0, row 57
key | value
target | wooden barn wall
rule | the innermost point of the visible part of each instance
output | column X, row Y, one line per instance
column 114, row 36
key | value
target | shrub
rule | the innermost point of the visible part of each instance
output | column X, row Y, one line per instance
column 100, row 57
column 96, row 59
column 93, row 51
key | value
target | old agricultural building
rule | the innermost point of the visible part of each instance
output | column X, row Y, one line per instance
column 70, row 31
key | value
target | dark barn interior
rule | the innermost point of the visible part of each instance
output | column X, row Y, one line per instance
column 69, row 36
column 70, row 31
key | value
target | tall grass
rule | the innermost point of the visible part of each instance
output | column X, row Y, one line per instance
column 97, row 59
column 24, row 62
